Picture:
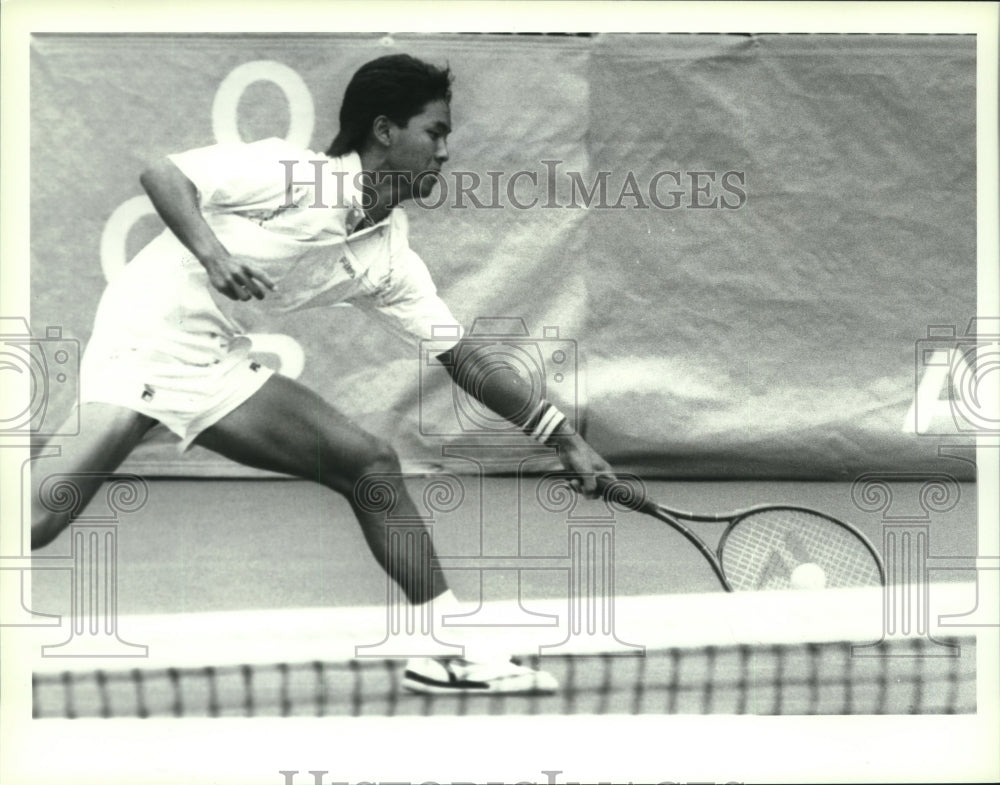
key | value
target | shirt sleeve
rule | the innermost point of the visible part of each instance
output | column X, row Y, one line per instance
column 412, row 308
column 236, row 174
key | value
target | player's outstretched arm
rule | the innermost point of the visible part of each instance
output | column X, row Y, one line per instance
column 506, row 393
column 175, row 198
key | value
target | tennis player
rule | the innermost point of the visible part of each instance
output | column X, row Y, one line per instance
column 266, row 225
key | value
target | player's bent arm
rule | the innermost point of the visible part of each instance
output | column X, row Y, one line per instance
column 499, row 387
column 176, row 201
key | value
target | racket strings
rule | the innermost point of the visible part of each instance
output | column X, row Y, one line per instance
column 763, row 549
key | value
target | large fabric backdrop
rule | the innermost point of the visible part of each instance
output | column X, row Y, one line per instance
column 725, row 255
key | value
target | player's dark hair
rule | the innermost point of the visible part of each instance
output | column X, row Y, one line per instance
column 397, row 86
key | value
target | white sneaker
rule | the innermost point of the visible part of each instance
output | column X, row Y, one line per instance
column 444, row 675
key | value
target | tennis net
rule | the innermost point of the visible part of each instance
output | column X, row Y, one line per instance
column 790, row 653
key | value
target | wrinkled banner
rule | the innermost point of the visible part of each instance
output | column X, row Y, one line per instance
column 724, row 255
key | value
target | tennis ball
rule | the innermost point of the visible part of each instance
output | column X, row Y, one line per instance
column 808, row 576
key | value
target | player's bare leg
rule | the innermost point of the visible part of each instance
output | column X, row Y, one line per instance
column 285, row 427
column 107, row 435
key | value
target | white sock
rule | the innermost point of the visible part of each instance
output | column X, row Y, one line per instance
column 446, row 604
column 479, row 643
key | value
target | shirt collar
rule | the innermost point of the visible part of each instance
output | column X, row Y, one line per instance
column 349, row 193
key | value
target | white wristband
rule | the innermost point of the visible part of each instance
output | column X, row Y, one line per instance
column 543, row 422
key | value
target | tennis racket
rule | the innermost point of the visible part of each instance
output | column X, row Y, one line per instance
column 767, row 546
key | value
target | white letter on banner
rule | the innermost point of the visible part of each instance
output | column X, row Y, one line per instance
column 973, row 401
column 115, row 233
column 301, row 118
column 225, row 108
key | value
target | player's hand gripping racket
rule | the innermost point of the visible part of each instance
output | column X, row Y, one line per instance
column 768, row 546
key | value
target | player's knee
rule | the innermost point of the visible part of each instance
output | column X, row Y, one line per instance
column 375, row 458
column 56, row 499
column 45, row 526
column 379, row 458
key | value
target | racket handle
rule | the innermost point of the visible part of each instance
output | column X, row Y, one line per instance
column 627, row 492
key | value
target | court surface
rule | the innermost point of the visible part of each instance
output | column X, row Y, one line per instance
column 212, row 545
column 291, row 554
column 259, row 597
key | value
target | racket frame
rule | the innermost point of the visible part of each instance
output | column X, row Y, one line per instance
column 673, row 518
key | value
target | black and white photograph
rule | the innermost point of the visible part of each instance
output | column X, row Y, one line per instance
column 483, row 392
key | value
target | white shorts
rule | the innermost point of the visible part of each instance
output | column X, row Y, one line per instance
column 161, row 347
column 186, row 399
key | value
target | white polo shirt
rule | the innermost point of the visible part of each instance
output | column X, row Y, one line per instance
column 289, row 211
